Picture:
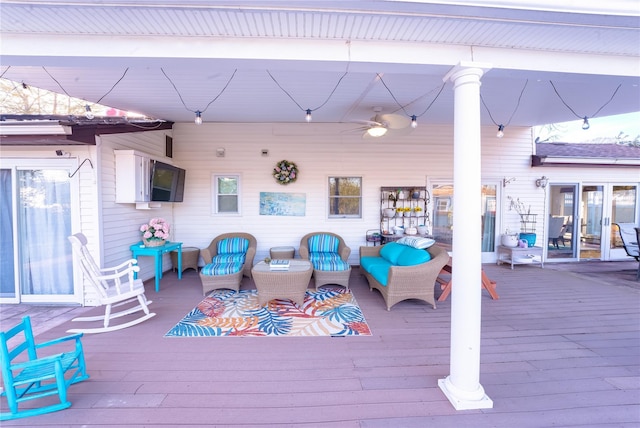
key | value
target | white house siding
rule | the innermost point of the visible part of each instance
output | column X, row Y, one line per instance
column 412, row 160
column 121, row 222
column 425, row 156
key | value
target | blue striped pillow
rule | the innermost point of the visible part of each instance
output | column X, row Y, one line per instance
column 323, row 244
column 233, row 245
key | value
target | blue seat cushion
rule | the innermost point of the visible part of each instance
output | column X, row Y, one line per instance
column 323, row 243
column 328, row 262
column 233, row 245
column 381, row 273
column 221, row 269
column 229, row 258
column 368, row 262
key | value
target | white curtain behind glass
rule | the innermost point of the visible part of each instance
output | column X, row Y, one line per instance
column 7, row 285
column 44, row 224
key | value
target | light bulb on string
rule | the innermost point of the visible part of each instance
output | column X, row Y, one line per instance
column 500, row 133
column 585, row 123
column 414, row 121
column 87, row 112
column 308, row 115
column 198, row 120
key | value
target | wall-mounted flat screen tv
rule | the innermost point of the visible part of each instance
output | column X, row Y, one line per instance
column 167, row 182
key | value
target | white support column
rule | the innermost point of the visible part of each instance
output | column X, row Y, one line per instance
column 462, row 387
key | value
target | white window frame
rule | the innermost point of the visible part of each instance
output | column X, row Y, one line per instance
column 215, row 194
column 360, row 198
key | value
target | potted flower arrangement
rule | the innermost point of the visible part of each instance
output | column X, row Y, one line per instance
column 155, row 233
column 402, row 211
column 417, row 210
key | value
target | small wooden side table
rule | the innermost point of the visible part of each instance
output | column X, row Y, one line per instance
column 520, row 256
column 190, row 257
column 282, row 252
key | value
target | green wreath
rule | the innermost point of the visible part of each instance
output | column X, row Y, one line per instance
column 285, row 172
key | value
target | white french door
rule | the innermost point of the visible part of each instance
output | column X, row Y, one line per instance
column 37, row 208
column 602, row 205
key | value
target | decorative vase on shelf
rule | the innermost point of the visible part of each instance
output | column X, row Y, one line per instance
column 388, row 212
column 154, row 242
column 509, row 240
column 529, row 237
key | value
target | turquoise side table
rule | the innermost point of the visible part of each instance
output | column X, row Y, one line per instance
column 140, row 250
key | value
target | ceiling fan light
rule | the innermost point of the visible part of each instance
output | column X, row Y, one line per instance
column 377, row 131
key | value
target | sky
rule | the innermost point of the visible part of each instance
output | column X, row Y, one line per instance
column 600, row 127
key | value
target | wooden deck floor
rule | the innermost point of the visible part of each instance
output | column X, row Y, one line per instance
column 559, row 348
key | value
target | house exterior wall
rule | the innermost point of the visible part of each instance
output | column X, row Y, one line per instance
column 121, row 222
column 424, row 157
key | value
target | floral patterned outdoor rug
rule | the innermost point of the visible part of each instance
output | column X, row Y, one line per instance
column 326, row 312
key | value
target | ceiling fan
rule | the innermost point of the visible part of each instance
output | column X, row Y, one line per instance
column 384, row 125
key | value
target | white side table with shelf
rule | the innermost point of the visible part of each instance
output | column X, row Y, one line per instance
column 519, row 256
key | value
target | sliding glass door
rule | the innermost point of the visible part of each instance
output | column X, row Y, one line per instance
column 442, row 216
column 36, row 217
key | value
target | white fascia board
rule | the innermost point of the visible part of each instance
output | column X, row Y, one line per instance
column 590, row 161
column 34, row 128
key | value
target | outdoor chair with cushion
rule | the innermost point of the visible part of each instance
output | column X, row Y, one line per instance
column 328, row 253
column 406, row 269
column 556, row 230
column 30, row 372
column 630, row 239
column 227, row 259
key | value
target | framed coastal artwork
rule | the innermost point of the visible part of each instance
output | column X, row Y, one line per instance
column 283, row 204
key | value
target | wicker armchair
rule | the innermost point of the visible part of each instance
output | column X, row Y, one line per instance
column 227, row 280
column 323, row 272
column 408, row 282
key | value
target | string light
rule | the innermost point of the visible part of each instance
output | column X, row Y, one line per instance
column 308, row 111
column 501, row 127
column 414, row 117
column 198, row 113
column 585, row 119
column 87, row 112
column 87, row 109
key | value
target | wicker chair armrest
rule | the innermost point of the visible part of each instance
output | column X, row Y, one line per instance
column 344, row 251
column 370, row 251
column 304, row 252
column 210, row 252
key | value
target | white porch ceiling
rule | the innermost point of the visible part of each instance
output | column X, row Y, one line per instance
column 307, row 46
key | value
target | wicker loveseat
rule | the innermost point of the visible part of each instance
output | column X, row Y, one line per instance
column 328, row 254
column 227, row 259
column 402, row 272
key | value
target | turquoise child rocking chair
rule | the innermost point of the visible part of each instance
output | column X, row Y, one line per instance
column 29, row 376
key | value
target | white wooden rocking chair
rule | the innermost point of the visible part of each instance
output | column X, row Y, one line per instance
column 114, row 286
